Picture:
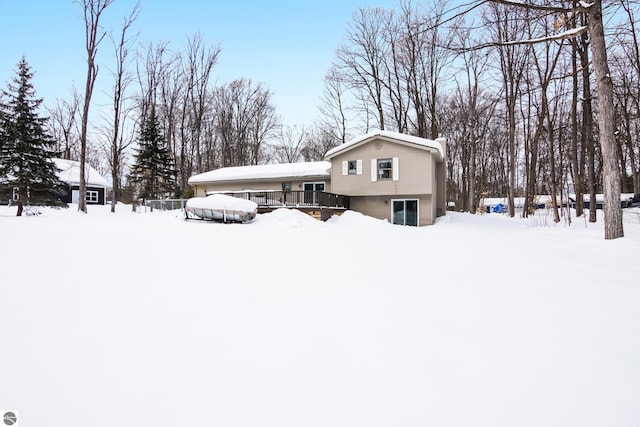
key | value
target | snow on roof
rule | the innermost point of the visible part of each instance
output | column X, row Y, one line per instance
column 272, row 171
column 387, row 134
column 70, row 173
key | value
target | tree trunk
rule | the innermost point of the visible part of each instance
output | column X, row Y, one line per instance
column 93, row 36
column 588, row 143
column 82, row 199
column 552, row 164
column 512, row 158
column 576, row 165
column 472, row 174
column 613, row 228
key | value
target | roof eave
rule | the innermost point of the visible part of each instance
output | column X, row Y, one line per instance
column 253, row 179
column 386, row 138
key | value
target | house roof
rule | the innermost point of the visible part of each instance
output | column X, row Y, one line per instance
column 395, row 136
column 272, row 171
column 70, row 173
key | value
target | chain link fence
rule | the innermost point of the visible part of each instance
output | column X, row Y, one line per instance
column 163, row 205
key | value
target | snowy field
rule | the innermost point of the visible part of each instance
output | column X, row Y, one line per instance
column 148, row 320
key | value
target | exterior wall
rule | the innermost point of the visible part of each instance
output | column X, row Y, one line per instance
column 380, row 206
column 101, row 195
column 68, row 198
column 200, row 190
column 416, row 170
column 434, row 205
column 441, row 179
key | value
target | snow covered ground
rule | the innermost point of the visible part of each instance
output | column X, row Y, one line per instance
column 147, row 320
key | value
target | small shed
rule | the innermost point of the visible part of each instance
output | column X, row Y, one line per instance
column 96, row 184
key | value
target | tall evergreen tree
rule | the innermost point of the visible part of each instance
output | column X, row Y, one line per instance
column 154, row 168
column 26, row 166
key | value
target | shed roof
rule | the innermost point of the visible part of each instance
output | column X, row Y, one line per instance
column 396, row 136
column 271, row 171
column 70, row 173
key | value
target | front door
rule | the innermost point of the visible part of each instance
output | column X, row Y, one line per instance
column 312, row 192
column 405, row 212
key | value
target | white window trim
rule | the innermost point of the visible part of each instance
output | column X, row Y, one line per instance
column 395, row 169
column 345, row 167
column 90, row 196
column 314, row 184
column 324, row 188
column 374, row 170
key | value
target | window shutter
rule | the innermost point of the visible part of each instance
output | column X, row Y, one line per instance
column 345, row 167
column 359, row 167
column 396, row 169
column 374, row 170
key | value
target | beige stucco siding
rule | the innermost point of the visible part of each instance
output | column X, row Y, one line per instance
column 380, row 207
column 259, row 185
column 415, row 173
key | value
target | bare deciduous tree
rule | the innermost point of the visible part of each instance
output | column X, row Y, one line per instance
column 64, row 126
column 92, row 10
column 245, row 119
column 472, row 109
column 122, row 79
column 613, row 227
column 361, row 60
column 319, row 140
column 606, row 112
column 332, row 107
column 289, row 144
column 198, row 64
column 545, row 60
column 505, row 25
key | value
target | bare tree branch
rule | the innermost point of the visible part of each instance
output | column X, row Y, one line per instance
column 569, row 34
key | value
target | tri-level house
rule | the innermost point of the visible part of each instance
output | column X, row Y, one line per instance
column 391, row 175
column 386, row 175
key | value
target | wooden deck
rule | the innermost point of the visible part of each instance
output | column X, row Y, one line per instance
column 319, row 204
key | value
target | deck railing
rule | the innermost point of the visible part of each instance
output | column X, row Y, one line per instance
column 291, row 198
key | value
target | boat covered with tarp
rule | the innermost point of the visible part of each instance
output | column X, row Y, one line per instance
column 220, row 207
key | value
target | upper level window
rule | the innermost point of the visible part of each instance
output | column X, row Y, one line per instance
column 385, row 168
column 353, row 168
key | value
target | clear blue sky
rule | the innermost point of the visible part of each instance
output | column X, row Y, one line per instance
column 287, row 45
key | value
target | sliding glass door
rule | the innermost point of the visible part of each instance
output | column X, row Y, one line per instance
column 405, row 212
